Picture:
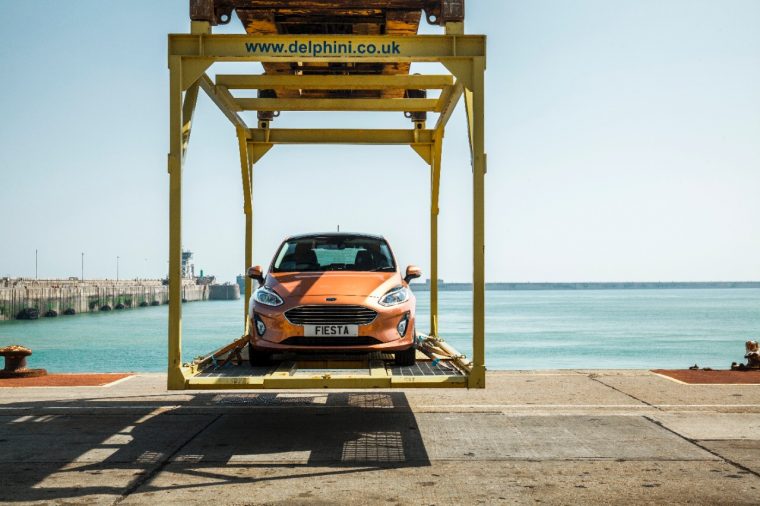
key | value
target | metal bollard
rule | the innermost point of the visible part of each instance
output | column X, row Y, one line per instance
column 15, row 363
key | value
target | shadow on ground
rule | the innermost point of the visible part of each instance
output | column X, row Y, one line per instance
column 113, row 448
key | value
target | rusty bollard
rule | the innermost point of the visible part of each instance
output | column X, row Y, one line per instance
column 15, row 363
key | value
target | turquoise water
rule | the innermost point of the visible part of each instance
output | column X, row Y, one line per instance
column 524, row 330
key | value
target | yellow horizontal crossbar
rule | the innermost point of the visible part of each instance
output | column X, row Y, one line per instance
column 377, row 48
column 339, row 136
column 323, row 381
column 334, row 82
column 338, row 104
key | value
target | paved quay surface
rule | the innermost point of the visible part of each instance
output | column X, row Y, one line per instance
column 554, row 437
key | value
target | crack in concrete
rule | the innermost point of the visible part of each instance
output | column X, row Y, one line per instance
column 708, row 450
column 147, row 477
column 594, row 377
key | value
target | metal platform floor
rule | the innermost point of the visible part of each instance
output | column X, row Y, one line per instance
column 318, row 370
column 332, row 367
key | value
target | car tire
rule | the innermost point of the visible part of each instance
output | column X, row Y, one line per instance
column 258, row 358
column 406, row 357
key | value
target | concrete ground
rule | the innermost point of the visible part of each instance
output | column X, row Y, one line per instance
column 556, row 437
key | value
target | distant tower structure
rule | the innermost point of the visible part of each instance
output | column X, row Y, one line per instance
column 188, row 268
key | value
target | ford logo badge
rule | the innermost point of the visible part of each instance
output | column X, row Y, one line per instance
column 331, row 299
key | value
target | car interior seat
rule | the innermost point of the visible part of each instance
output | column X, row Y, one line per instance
column 364, row 261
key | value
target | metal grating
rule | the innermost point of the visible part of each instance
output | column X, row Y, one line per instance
column 421, row 368
column 323, row 314
column 425, row 368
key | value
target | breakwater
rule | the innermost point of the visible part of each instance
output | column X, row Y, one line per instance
column 23, row 298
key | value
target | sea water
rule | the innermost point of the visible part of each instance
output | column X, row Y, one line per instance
column 552, row 329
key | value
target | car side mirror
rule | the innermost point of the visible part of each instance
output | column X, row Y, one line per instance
column 412, row 272
column 256, row 273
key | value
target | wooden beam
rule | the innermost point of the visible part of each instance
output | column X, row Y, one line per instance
column 399, row 23
column 262, row 22
column 328, row 5
column 257, row 22
column 402, row 22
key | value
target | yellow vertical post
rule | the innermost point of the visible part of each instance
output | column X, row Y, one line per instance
column 435, row 179
column 246, row 172
column 477, row 135
column 175, row 380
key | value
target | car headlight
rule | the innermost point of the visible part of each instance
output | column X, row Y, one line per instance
column 394, row 297
column 267, row 296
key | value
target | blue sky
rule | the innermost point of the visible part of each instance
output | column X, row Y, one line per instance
column 622, row 140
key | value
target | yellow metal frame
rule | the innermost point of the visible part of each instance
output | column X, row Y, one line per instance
column 190, row 56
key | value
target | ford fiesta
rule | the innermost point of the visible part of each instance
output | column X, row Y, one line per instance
column 333, row 292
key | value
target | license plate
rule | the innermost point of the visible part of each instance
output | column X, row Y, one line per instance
column 331, row 330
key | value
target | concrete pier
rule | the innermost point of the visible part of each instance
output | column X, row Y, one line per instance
column 226, row 291
column 556, row 437
column 59, row 295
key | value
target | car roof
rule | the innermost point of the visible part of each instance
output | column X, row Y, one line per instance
column 336, row 234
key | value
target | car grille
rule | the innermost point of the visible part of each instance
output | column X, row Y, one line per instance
column 324, row 314
column 330, row 341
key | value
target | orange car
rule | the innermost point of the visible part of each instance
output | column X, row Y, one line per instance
column 333, row 292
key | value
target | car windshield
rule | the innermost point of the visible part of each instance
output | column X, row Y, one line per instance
column 334, row 253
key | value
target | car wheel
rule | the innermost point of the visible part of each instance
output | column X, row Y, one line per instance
column 406, row 357
column 258, row 358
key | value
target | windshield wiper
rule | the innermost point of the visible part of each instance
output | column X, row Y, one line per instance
column 383, row 269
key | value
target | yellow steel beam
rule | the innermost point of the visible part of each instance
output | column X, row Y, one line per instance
column 246, row 172
column 337, row 48
column 338, row 104
column 339, row 136
column 193, row 69
column 435, row 180
column 476, row 112
column 218, row 383
column 448, row 102
column 223, row 101
column 226, row 97
column 468, row 108
column 377, row 368
column 428, row 381
column 258, row 150
column 323, row 381
column 285, row 369
column 462, row 70
column 425, row 151
column 188, row 110
column 175, row 379
column 455, row 28
column 334, row 82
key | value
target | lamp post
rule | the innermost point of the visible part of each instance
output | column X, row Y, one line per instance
column 82, row 278
column 117, row 268
column 35, row 264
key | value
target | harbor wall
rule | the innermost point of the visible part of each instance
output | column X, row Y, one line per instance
column 227, row 291
column 62, row 296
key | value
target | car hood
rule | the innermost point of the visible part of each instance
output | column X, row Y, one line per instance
column 302, row 284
